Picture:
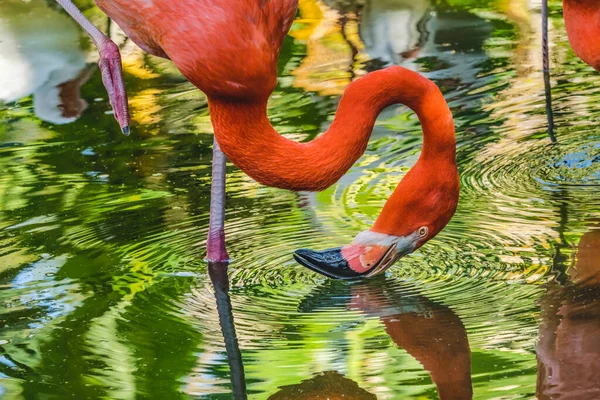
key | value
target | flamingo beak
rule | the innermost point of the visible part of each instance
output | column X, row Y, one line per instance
column 349, row 262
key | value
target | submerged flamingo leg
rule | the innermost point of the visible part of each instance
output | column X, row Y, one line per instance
column 216, row 251
column 218, row 275
column 110, row 65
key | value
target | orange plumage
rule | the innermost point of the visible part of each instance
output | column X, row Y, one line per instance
column 582, row 21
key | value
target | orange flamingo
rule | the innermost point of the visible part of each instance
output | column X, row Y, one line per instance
column 582, row 21
column 229, row 50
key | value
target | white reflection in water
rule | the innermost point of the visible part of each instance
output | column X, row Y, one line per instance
column 404, row 32
column 40, row 55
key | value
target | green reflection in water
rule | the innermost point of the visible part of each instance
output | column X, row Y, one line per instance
column 103, row 290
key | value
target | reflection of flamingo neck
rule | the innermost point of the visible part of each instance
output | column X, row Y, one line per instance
column 582, row 21
column 248, row 139
column 440, row 344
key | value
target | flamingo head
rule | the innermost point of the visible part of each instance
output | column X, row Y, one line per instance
column 420, row 207
column 369, row 254
column 416, row 212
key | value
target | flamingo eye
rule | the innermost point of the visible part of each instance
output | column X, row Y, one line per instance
column 423, row 231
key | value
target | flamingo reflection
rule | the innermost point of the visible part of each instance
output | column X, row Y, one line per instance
column 431, row 333
column 568, row 351
column 40, row 55
column 403, row 31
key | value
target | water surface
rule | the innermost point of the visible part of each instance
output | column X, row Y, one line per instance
column 103, row 289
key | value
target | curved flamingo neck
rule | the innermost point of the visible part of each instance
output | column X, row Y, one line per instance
column 427, row 194
column 250, row 142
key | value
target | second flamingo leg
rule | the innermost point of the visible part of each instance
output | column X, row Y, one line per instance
column 109, row 63
column 215, row 243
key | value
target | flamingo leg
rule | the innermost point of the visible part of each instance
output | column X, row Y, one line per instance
column 216, row 251
column 546, row 71
column 109, row 63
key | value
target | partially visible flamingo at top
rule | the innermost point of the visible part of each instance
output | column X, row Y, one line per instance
column 229, row 50
column 582, row 21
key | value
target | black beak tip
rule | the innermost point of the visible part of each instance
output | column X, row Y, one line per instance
column 329, row 262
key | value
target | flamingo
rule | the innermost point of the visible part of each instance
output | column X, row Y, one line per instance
column 582, row 21
column 229, row 50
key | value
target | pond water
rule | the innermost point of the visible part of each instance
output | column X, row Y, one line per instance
column 103, row 289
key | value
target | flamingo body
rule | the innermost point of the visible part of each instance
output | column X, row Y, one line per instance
column 582, row 21
column 227, row 48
